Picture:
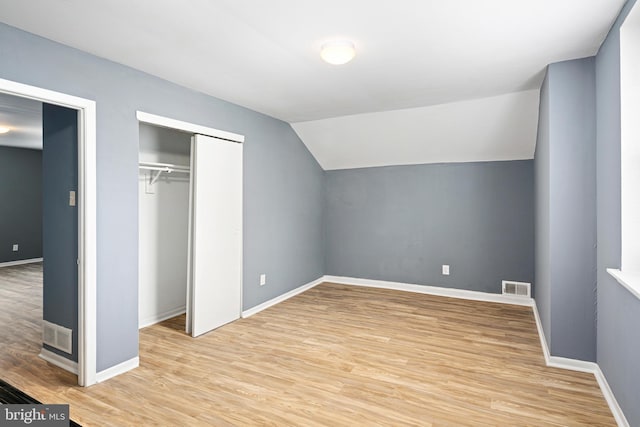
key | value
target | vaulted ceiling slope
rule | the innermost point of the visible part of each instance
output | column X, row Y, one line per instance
column 265, row 54
column 502, row 127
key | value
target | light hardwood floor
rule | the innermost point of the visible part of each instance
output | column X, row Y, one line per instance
column 332, row 356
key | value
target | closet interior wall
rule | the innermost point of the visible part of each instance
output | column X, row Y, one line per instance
column 163, row 225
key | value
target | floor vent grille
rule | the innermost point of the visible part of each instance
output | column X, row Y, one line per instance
column 57, row 336
column 519, row 289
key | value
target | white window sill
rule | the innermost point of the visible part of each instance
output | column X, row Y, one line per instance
column 631, row 281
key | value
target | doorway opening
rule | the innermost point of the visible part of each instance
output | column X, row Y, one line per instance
column 21, row 229
column 85, row 200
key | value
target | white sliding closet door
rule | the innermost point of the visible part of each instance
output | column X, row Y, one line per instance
column 216, row 233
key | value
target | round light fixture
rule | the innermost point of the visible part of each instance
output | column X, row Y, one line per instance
column 338, row 52
column 4, row 129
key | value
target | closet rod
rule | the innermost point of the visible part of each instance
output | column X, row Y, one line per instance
column 165, row 169
column 162, row 167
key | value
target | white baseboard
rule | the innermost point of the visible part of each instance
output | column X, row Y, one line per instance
column 59, row 361
column 543, row 341
column 581, row 366
column 611, row 399
column 556, row 361
column 118, row 369
column 572, row 364
column 20, row 262
column 152, row 320
column 431, row 290
column 283, row 297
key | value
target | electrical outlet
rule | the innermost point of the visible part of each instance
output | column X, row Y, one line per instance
column 263, row 279
column 445, row 269
column 15, row 248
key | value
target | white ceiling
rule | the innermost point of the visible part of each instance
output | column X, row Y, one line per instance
column 265, row 54
column 497, row 128
column 24, row 117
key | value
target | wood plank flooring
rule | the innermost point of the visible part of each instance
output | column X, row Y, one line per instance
column 332, row 356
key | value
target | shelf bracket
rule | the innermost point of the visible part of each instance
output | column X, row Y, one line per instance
column 155, row 176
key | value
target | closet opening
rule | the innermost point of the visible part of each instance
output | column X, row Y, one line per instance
column 190, row 225
column 163, row 213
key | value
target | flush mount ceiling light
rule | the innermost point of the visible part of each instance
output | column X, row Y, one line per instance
column 4, row 129
column 338, row 52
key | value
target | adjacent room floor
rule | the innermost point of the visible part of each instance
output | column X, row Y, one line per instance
column 334, row 355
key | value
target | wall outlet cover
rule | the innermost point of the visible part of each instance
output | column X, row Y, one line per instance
column 445, row 269
column 15, row 248
column 263, row 279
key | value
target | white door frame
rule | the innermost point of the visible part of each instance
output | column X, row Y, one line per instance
column 166, row 122
column 87, row 236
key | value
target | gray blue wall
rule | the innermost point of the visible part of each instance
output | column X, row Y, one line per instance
column 617, row 337
column 283, row 184
column 566, row 168
column 60, row 220
column 283, row 205
column 20, row 203
column 542, row 178
column 618, row 309
column 401, row 223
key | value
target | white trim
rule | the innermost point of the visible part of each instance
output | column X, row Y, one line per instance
column 432, row 290
column 20, row 262
column 543, row 341
column 118, row 369
column 610, row 398
column 166, row 122
column 59, row 361
column 572, row 364
column 630, row 281
column 87, row 248
column 157, row 318
column 189, row 303
column 581, row 366
column 629, row 55
column 87, row 214
column 258, row 308
column 241, row 230
column 556, row 361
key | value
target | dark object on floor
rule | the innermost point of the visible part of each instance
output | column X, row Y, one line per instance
column 11, row 395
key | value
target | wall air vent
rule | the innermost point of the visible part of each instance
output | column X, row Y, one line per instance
column 519, row 289
column 57, row 336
